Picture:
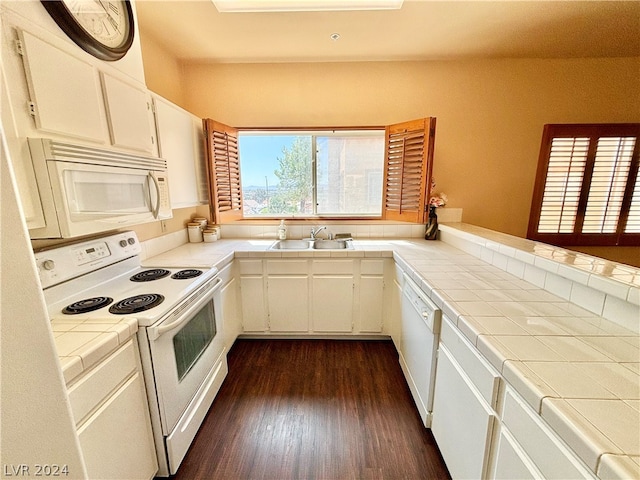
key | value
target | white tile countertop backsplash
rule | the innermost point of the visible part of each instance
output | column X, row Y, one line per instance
column 562, row 327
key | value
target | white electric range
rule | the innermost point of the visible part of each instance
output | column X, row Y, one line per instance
column 180, row 326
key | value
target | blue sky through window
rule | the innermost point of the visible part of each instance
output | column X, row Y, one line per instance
column 259, row 158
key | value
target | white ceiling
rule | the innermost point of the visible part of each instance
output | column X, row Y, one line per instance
column 195, row 31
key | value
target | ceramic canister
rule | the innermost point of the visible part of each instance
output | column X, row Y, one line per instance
column 195, row 232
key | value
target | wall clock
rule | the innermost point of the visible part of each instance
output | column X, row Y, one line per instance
column 103, row 28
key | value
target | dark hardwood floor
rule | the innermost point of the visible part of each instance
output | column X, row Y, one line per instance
column 313, row 409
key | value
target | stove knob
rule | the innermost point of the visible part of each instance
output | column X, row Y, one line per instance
column 131, row 240
column 48, row 265
column 123, row 243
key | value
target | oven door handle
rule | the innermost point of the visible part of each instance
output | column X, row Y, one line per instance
column 157, row 332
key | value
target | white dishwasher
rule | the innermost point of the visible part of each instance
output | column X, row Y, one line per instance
column 421, row 320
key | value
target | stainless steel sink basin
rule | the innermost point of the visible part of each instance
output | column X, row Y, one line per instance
column 332, row 245
column 318, row 244
column 291, row 245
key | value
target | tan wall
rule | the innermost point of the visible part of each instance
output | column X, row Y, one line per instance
column 490, row 113
column 162, row 71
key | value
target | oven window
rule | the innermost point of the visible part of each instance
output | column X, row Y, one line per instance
column 190, row 342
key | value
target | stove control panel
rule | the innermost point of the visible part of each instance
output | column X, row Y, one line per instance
column 68, row 261
column 92, row 252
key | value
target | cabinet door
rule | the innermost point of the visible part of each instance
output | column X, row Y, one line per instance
column 332, row 303
column 131, row 122
column 116, row 441
column 510, row 462
column 18, row 153
column 65, row 91
column 371, row 303
column 371, row 296
column 538, row 442
column 462, row 421
column 176, row 146
column 201, row 159
column 395, row 323
column 254, row 309
column 230, row 307
column 288, row 300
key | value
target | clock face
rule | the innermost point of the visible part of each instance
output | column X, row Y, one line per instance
column 103, row 28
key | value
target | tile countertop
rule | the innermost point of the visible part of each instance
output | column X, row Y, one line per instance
column 82, row 344
column 575, row 368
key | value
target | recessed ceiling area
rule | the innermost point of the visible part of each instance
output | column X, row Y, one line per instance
column 195, row 31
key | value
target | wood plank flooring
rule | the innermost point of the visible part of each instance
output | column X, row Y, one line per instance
column 313, row 409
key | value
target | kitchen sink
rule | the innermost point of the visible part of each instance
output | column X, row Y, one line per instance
column 319, row 244
column 332, row 245
column 291, row 245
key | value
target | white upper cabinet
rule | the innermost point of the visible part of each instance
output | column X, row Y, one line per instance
column 201, row 160
column 180, row 143
column 130, row 115
column 65, row 93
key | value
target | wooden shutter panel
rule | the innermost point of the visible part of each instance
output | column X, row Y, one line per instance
column 407, row 173
column 585, row 186
column 223, row 166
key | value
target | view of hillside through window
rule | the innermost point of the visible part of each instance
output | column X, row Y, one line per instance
column 316, row 173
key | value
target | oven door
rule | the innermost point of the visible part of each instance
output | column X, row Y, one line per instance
column 185, row 347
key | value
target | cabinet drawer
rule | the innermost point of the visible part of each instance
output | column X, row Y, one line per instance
column 250, row 267
column 544, row 448
column 92, row 388
column 333, row 267
column 226, row 273
column 482, row 375
column 287, row 267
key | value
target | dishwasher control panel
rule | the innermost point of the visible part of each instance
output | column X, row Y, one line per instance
column 425, row 307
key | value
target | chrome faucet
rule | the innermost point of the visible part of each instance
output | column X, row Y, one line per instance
column 315, row 231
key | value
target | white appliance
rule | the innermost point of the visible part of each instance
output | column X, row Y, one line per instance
column 421, row 320
column 180, row 327
column 86, row 190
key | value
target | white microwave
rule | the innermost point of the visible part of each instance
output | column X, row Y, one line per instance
column 86, row 190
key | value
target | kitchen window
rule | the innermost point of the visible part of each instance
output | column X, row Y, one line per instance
column 587, row 189
column 302, row 174
column 325, row 173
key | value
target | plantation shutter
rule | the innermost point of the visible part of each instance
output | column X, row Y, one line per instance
column 407, row 173
column 223, row 168
column 586, row 190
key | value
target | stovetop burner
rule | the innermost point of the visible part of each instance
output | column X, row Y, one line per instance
column 186, row 274
column 87, row 305
column 150, row 275
column 137, row 303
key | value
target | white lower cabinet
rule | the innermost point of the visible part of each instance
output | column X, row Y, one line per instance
column 288, row 300
column 332, row 305
column 510, row 462
column 230, row 305
column 395, row 307
column 332, row 295
column 110, row 408
column 484, row 429
column 462, row 421
column 371, row 311
column 288, row 295
column 252, row 296
column 527, row 444
column 312, row 295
